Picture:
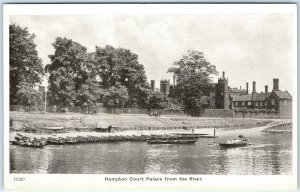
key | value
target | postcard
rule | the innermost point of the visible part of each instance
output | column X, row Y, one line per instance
column 150, row 96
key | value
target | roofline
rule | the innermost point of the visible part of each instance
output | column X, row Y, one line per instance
column 289, row 94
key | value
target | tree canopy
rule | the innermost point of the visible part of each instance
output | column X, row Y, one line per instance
column 120, row 66
column 112, row 76
column 67, row 72
column 194, row 75
column 116, row 96
column 25, row 67
column 156, row 100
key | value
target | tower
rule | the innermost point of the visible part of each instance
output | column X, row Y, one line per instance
column 152, row 85
column 165, row 87
column 276, row 84
column 222, row 93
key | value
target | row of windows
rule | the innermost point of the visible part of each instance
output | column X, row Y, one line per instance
column 255, row 103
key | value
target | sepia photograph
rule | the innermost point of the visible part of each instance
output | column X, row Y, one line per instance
column 132, row 93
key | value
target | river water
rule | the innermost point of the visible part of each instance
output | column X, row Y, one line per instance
column 268, row 154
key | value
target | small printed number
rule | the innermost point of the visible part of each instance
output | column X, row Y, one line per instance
column 19, row 178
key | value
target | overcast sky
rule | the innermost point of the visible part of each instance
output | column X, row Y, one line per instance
column 247, row 47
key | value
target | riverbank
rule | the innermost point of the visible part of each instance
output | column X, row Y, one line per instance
column 92, row 136
column 123, row 122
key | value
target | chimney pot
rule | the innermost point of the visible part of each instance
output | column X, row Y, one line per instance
column 152, row 85
column 266, row 88
column 254, row 87
column 223, row 75
column 275, row 84
column 247, row 88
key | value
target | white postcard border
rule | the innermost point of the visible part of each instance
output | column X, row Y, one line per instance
column 94, row 181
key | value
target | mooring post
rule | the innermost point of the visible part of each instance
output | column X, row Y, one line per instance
column 214, row 137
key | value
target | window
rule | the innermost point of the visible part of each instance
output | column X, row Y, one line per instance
column 273, row 101
column 243, row 103
column 285, row 103
column 249, row 103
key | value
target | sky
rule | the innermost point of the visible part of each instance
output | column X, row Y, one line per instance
column 248, row 47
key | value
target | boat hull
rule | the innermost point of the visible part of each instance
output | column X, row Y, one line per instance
column 173, row 142
column 229, row 145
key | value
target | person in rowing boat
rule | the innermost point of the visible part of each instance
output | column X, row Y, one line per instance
column 242, row 138
column 234, row 141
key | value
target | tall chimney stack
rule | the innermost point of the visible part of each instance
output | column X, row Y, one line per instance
column 275, row 84
column 174, row 79
column 247, row 88
column 254, row 87
column 223, row 75
column 152, row 85
column 266, row 88
column 240, row 87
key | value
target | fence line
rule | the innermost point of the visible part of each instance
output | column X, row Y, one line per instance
column 97, row 109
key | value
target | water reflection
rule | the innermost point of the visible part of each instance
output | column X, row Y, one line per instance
column 268, row 154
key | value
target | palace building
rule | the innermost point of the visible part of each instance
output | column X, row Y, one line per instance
column 227, row 102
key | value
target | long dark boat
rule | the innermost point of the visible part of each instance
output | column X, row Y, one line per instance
column 55, row 141
column 232, row 145
column 198, row 135
column 71, row 140
column 207, row 136
column 35, row 144
column 191, row 134
column 172, row 140
column 82, row 139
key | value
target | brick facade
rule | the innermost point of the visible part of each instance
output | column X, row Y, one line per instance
column 225, row 101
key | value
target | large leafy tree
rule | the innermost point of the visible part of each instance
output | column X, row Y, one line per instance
column 116, row 96
column 155, row 102
column 25, row 67
column 72, row 80
column 120, row 66
column 194, row 75
column 28, row 96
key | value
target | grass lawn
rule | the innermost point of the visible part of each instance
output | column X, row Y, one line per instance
column 74, row 120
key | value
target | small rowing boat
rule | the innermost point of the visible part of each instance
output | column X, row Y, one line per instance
column 231, row 143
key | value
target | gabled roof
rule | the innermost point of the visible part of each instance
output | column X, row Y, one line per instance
column 260, row 96
column 283, row 94
column 256, row 97
column 242, row 97
column 238, row 91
